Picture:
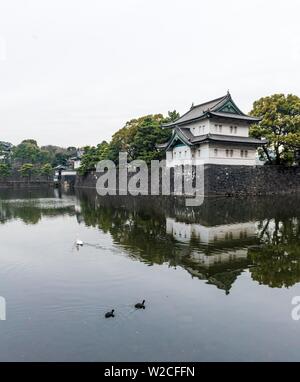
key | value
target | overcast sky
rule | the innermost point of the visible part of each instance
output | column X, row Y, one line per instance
column 72, row 72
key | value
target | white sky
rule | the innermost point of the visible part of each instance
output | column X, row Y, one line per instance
column 72, row 72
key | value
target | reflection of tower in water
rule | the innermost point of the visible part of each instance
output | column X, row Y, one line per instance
column 217, row 254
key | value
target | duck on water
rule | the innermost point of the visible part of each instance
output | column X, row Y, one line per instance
column 110, row 314
column 140, row 305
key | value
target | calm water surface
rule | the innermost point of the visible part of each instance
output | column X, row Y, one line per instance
column 218, row 280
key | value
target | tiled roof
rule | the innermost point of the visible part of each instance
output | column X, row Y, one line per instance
column 227, row 138
column 188, row 138
column 236, row 116
column 205, row 109
column 197, row 111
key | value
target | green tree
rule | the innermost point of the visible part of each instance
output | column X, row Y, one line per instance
column 26, row 170
column 139, row 137
column 26, row 152
column 148, row 134
column 5, row 170
column 46, row 170
column 280, row 125
column 121, row 141
column 60, row 158
column 44, row 157
column 57, row 155
column 92, row 155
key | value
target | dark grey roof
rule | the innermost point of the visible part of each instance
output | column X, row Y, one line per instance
column 210, row 108
column 186, row 132
column 189, row 139
column 227, row 138
column 196, row 111
column 235, row 116
column 184, row 135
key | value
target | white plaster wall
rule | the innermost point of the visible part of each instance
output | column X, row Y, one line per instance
column 242, row 128
column 184, row 231
column 210, row 260
column 200, row 128
column 169, row 156
column 180, row 155
column 208, row 155
column 180, row 231
column 236, row 159
column 209, row 126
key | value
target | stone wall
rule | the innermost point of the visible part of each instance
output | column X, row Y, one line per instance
column 17, row 181
column 233, row 180
column 246, row 180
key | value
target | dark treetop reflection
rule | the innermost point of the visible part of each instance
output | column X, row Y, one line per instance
column 218, row 279
column 215, row 241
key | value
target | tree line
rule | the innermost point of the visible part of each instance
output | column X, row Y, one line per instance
column 138, row 138
column 28, row 159
column 280, row 125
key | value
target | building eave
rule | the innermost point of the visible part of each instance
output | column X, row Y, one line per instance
column 184, row 123
column 228, row 140
column 206, row 138
column 246, row 118
column 177, row 134
column 212, row 108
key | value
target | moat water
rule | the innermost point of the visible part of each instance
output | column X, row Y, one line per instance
column 218, row 279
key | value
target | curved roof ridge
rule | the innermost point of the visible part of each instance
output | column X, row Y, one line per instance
column 212, row 107
column 211, row 101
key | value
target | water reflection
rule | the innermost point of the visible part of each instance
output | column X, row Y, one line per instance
column 31, row 205
column 215, row 242
column 277, row 261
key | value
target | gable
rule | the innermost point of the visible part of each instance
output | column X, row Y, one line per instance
column 229, row 107
column 177, row 142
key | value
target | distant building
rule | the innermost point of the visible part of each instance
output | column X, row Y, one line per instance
column 214, row 132
column 75, row 161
